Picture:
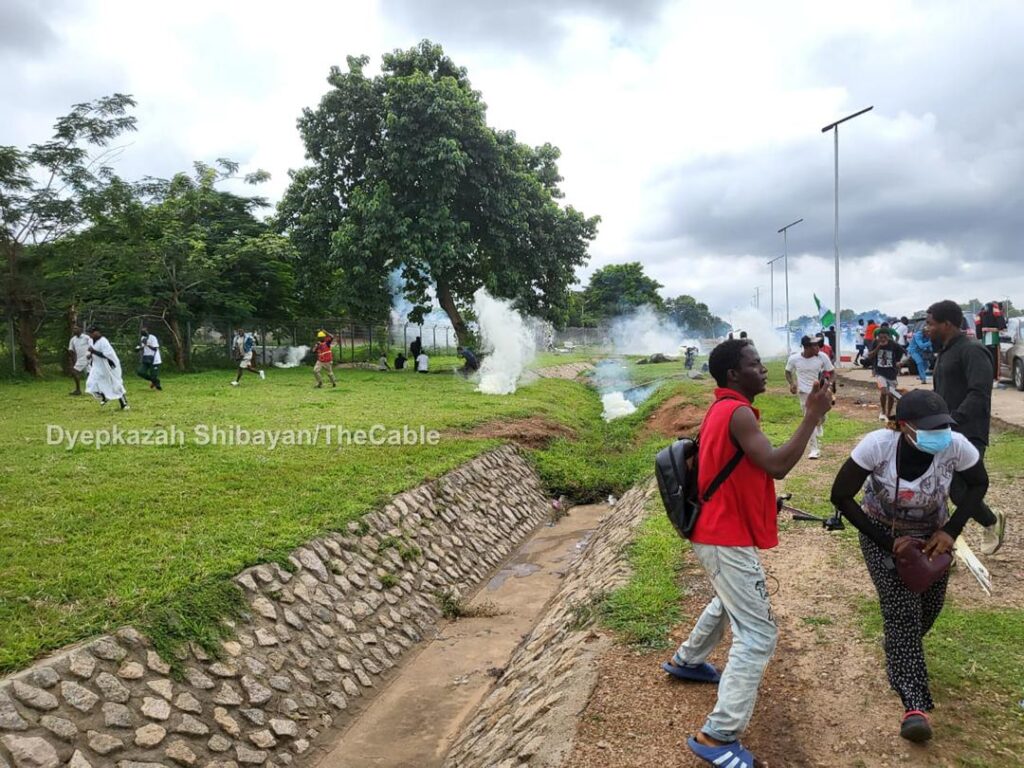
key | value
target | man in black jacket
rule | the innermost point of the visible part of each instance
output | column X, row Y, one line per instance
column 963, row 378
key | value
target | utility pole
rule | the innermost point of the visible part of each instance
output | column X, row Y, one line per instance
column 785, row 254
column 835, row 127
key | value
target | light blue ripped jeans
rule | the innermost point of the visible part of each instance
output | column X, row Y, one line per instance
column 741, row 599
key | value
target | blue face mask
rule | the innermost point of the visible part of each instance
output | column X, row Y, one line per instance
column 932, row 440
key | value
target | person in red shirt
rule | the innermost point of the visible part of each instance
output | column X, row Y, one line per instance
column 740, row 518
column 324, row 358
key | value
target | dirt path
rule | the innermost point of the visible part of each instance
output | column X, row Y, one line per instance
column 1007, row 404
column 825, row 700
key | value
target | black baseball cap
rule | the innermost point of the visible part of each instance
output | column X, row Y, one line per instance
column 806, row 341
column 924, row 409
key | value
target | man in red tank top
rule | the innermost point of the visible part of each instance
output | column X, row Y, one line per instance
column 738, row 519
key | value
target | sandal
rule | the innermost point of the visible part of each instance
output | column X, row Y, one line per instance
column 694, row 673
column 915, row 726
column 733, row 755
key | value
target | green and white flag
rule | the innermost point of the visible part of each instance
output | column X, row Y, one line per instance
column 827, row 316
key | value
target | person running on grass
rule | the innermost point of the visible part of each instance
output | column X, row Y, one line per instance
column 149, row 364
column 245, row 350
column 105, row 380
column 885, row 364
column 803, row 369
column 909, row 471
column 734, row 523
column 78, row 352
column 324, row 358
column 963, row 379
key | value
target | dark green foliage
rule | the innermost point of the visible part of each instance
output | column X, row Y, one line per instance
column 407, row 176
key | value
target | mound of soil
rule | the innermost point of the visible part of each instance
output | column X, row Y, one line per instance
column 676, row 417
column 565, row 371
column 532, row 432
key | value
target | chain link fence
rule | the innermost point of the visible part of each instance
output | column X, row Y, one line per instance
column 208, row 342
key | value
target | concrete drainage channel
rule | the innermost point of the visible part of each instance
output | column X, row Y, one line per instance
column 345, row 660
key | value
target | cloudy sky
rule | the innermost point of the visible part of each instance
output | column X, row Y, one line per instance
column 693, row 129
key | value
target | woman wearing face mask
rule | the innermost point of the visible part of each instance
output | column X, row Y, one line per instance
column 906, row 475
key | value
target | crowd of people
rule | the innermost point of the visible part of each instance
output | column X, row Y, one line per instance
column 931, row 452
column 106, row 382
column 914, row 343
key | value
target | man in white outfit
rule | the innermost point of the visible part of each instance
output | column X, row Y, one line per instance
column 78, row 351
column 803, row 369
column 105, row 380
column 149, row 363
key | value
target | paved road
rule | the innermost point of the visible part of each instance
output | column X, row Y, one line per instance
column 1007, row 404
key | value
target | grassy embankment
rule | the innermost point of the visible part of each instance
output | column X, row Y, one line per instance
column 91, row 539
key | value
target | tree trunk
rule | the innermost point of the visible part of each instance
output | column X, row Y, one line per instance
column 178, row 342
column 447, row 302
column 27, row 340
column 20, row 309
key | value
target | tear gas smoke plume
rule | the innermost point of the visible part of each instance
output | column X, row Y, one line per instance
column 508, row 342
column 644, row 333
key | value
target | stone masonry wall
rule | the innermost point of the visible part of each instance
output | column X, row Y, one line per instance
column 316, row 643
column 529, row 718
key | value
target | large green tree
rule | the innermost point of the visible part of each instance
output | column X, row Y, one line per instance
column 177, row 250
column 44, row 195
column 695, row 315
column 619, row 288
column 405, row 174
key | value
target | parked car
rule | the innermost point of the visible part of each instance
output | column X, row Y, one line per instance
column 1011, row 349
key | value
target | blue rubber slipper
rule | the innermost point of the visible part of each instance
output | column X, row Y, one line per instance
column 733, row 755
column 694, row 673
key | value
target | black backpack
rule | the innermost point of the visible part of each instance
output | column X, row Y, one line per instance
column 676, row 469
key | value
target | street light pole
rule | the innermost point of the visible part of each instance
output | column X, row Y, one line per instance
column 785, row 254
column 771, row 266
column 838, row 310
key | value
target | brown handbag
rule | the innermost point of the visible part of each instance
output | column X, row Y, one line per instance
column 914, row 567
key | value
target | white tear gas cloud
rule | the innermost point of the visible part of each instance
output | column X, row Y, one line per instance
column 615, row 405
column 508, row 342
column 770, row 343
column 644, row 332
column 292, row 357
column 401, row 306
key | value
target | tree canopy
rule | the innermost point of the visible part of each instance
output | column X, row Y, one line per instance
column 405, row 174
column 178, row 249
column 616, row 289
column 45, row 193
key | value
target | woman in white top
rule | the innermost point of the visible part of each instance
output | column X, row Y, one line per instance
column 906, row 475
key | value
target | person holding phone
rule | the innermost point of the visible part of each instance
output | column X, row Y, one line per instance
column 803, row 369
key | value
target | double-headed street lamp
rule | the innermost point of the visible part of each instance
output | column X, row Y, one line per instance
column 830, row 127
column 785, row 255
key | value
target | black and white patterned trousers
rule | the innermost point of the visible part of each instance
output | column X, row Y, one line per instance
column 906, row 617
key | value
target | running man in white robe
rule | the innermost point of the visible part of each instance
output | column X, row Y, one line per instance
column 105, row 381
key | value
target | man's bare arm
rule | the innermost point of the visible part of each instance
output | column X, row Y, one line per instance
column 777, row 462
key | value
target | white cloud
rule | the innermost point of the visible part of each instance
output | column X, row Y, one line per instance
column 693, row 129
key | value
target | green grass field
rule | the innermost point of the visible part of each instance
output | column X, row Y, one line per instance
column 94, row 539
column 91, row 539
